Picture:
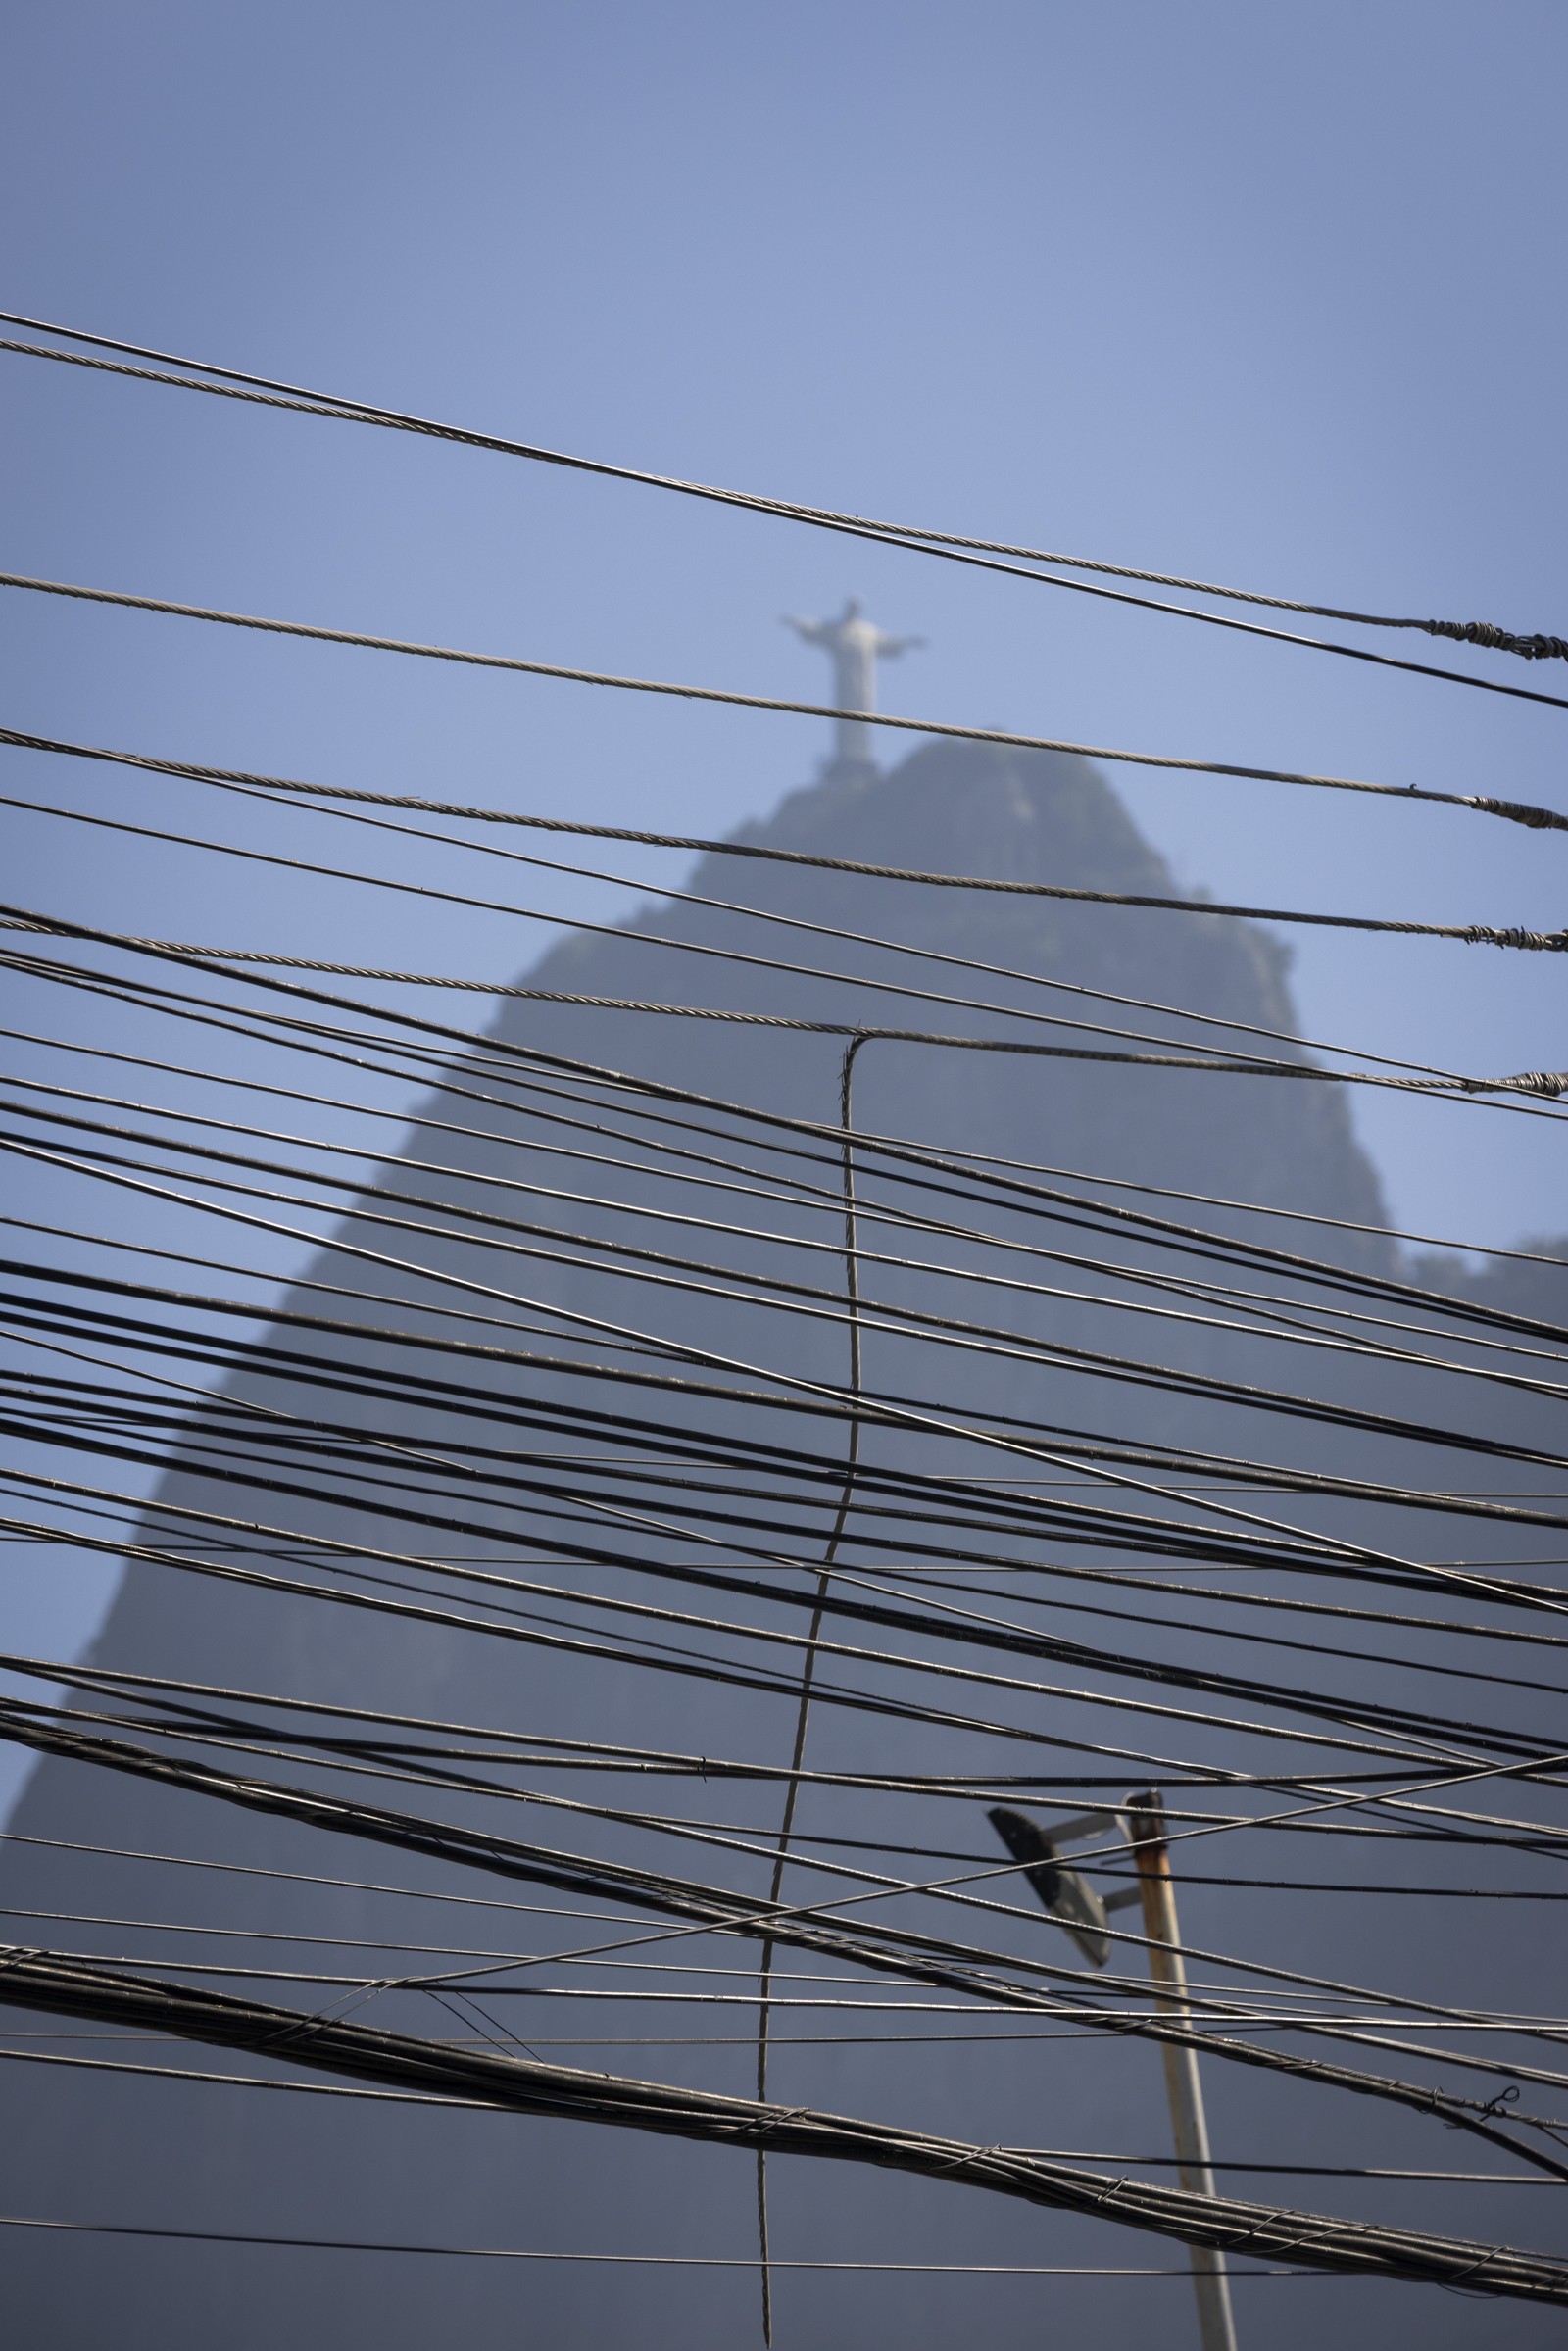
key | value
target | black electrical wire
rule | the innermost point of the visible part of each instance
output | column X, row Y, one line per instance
column 960, row 1625
column 1273, row 1319
column 980, row 554
column 645, row 1266
column 266, row 789
column 78, row 1987
column 131, row 1333
column 1238, row 1061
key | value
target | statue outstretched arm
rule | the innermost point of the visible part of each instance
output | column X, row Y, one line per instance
column 816, row 632
column 888, row 648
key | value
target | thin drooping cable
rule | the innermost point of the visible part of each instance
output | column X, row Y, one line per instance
column 263, row 787
column 988, row 555
column 1122, row 1369
column 268, row 790
column 1085, row 1211
column 852, row 1291
column 634, row 2260
column 1454, row 1087
column 1269, row 1316
column 61, row 1983
column 1268, row 1306
column 640, row 1885
column 731, row 699
column 228, row 1079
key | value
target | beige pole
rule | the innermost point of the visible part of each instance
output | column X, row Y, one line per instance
column 1145, row 1822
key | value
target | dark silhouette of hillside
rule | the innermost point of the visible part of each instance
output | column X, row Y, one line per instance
column 114, row 2147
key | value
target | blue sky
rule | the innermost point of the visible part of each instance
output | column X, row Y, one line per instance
column 1257, row 294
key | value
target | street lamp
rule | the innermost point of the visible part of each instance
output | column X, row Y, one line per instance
column 1073, row 1904
column 1070, row 1899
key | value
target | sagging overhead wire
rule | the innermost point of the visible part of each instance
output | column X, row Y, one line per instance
column 877, row 1408
column 307, row 795
column 699, row 1168
column 731, row 699
column 60, row 1984
column 982, row 554
column 227, row 1443
column 1272, row 1317
column 1445, row 1085
column 884, row 1950
column 1271, row 1308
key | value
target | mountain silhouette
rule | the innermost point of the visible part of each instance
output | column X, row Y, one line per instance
column 113, row 2146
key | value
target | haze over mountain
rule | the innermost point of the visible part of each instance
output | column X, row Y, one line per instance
column 92, row 2143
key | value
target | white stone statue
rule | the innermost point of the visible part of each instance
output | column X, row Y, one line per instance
column 855, row 646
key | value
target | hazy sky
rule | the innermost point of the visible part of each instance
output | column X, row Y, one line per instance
column 1263, row 295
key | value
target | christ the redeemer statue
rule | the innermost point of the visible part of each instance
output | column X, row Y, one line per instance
column 854, row 645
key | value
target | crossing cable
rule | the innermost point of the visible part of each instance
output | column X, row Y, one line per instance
column 275, row 790
column 1186, row 1239
column 1550, row 1083
column 140, row 1685
column 77, row 1986
column 574, row 1367
column 1338, row 1800
column 480, row 1052
column 485, row 987
column 538, row 1749
column 114, row 1994
column 1472, row 933
column 468, row 1398
column 286, row 1430
column 1269, row 1306
column 502, row 1064
column 1056, row 1571
column 1413, row 1732
column 980, row 554
column 990, row 1632
column 731, row 699
column 884, row 1580
column 851, row 1290
column 109, row 1167
column 701, row 1665
column 1127, row 1756
column 1239, row 1061
column 1443, row 1087
column 304, row 1806
column 879, row 1579
column 1069, row 1517
column 1555, row 942
column 1164, row 1762
column 1242, row 1821
column 886, row 1411
column 1279, row 1320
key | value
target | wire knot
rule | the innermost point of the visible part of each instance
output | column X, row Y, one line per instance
column 1536, row 648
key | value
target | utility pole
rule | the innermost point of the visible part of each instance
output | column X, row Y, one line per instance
column 1145, row 1823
